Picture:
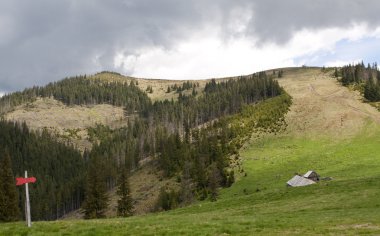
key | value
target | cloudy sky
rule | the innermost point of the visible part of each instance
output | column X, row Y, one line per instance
column 47, row 40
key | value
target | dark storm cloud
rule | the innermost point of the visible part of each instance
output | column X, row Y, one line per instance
column 41, row 41
column 46, row 40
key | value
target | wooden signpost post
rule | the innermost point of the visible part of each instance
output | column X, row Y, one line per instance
column 26, row 181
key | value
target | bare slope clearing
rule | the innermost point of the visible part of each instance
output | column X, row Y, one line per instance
column 323, row 107
column 68, row 123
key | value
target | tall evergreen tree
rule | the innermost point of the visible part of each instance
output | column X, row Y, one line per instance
column 336, row 73
column 187, row 191
column 125, row 202
column 96, row 200
column 9, row 210
column 214, row 182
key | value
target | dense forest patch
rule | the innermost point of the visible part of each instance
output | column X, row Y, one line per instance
column 365, row 79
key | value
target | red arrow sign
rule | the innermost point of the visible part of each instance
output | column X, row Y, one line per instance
column 21, row 181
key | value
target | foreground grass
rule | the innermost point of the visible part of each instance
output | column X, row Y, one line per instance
column 259, row 203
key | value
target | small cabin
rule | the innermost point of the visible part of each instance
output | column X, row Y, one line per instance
column 298, row 181
column 312, row 175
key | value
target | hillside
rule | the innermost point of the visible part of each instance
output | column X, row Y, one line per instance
column 71, row 123
column 119, row 128
column 159, row 86
column 322, row 107
column 329, row 130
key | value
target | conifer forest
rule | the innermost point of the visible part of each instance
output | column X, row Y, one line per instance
column 192, row 137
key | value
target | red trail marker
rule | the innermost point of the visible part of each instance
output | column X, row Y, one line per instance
column 21, row 180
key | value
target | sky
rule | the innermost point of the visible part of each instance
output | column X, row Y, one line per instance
column 47, row 40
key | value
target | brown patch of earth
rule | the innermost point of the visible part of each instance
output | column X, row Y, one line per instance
column 69, row 123
column 321, row 106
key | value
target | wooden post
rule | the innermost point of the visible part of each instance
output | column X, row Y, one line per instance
column 28, row 219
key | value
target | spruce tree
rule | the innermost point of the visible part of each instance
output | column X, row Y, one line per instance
column 336, row 74
column 187, row 192
column 214, row 182
column 9, row 210
column 96, row 192
column 125, row 202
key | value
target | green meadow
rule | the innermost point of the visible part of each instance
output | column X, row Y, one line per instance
column 259, row 203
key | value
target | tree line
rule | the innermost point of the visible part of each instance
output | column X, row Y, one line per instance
column 80, row 90
column 187, row 85
column 218, row 99
column 366, row 78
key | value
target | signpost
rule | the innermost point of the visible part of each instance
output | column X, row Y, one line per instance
column 26, row 181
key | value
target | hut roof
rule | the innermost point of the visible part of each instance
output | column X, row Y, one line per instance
column 309, row 173
column 298, row 181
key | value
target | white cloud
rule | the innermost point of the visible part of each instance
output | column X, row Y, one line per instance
column 1, row 94
column 127, row 63
column 339, row 63
column 206, row 54
column 202, row 58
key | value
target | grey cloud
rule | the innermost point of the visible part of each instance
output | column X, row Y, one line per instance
column 278, row 20
column 45, row 40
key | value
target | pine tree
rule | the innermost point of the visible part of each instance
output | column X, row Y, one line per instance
column 9, row 210
column 214, row 182
column 336, row 74
column 187, row 191
column 96, row 192
column 125, row 202
column 280, row 74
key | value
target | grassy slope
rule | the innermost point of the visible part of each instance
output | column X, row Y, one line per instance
column 259, row 203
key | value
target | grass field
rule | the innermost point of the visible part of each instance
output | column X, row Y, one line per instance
column 260, row 203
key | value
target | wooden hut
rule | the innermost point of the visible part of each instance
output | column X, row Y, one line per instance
column 312, row 175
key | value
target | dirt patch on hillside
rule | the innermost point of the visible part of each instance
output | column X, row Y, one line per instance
column 321, row 106
column 69, row 123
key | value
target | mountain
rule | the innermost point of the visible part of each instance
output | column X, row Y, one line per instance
column 109, row 118
column 328, row 128
column 70, row 123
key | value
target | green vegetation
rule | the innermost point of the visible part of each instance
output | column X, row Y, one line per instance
column 125, row 202
column 218, row 100
column 260, row 203
column 80, row 90
column 9, row 210
column 187, row 85
column 263, row 158
column 149, row 89
column 96, row 199
column 168, row 132
column 59, row 170
column 364, row 79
